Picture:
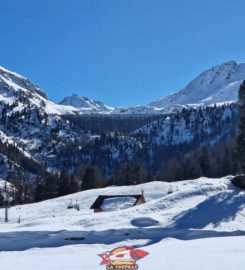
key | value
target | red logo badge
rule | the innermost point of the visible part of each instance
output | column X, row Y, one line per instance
column 122, row 258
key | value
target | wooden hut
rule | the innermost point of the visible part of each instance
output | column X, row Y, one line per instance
column 97, row 206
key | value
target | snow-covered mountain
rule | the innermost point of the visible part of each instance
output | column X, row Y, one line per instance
column 40, row 131
column 219, row 84
column 86, row 105
column 19, row 92
column 28, row 120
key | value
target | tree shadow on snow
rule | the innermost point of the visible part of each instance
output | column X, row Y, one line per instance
column 20, row 241
column 222, row 207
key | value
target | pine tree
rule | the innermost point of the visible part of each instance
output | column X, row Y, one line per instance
column 67, row 184
column 205, row 161
column 51, row 186
column 92, row 178
column 240, row 140
column 39, row 190
column 64, row 184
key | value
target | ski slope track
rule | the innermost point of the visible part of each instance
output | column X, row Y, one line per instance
column 200, row 225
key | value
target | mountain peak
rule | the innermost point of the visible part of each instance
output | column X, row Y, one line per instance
column 85, row 105
column 6, row 71
column 17, row 82
column 231, row 62
column 218, row 84
column 227, row 66
column 16, row 89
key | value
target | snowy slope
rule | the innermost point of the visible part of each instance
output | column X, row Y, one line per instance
column 221, row 253
column 190, row 125
column 219, row 84
column 201, row 224
column 16, row 89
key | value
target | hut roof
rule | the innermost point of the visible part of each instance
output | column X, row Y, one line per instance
column 100, row 200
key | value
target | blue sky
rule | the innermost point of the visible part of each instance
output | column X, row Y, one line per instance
column 122, row 52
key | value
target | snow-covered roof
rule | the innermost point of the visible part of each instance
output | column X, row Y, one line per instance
column 116, row 202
